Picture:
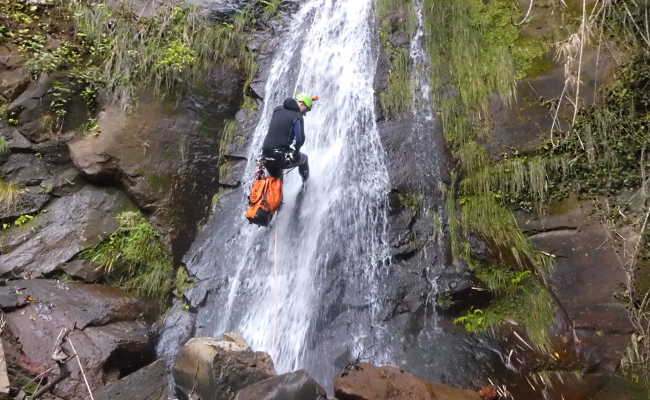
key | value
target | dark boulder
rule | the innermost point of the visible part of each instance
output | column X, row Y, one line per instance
column 366, row 382
column 223, row 9
column 217, row 369
column 148, row 383
column 31, row 109
column 179, row 325
column 293, row 386
column 9, row 299
column 70, row 225
column 105, row 325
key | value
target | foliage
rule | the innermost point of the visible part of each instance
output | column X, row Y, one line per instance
column 183, row 281
column 134, row 258
column 531, row 303
column 397, row 17
column 123, row 54
column 477, row 52
column 398, row 95
column 271, row 7
column 412, row 201
column 4, row 145
column 168, row 52
column 606, row 144
column 9, row 195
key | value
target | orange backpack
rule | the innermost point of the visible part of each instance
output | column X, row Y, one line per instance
column 264, row 200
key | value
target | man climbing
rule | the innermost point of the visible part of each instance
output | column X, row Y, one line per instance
column 286, row 135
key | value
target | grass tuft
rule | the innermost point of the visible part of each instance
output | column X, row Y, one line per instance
column 173, row 50
column 4, row 145
column 9, row 195
column 134, row 258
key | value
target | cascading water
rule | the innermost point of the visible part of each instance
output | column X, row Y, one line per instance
column 319, row 288
column 280, row 286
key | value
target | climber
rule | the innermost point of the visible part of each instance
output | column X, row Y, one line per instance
column 286, row 135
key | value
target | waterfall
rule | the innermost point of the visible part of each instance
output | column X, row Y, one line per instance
column 287, row 289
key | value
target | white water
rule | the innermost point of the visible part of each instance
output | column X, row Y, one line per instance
column 325, row 248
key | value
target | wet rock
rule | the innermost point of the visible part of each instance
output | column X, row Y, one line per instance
column 164, row 155
column 30, row 201
column 70, row 225
column 25, row 169
column 179, row 325
column 10, row 57
column 16, row 141
column 9, row 299
column 218, row 369
column 105, row 326
column 148, row 383
column 526, row 123
column 293, row 386
column 82, row 269
column 31, row 106
column 588, row 272
column 222, row 9
column 13, row 82
column 366, row 382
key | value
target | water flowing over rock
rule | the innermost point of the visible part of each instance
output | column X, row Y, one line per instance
column 292, row 386
column 216, row 369
column 105, row 325
column 366, row 382
column 320, row 288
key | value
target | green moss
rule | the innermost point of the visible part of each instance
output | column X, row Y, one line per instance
column 160, row 183
column 183, row 281
column 4, row 145
column 134, row 258
column 529, row 57
column 398, row 96
column 526, row 302
column 397, row 17
column 412, row 201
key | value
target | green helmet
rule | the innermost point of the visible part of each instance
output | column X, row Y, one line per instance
column 306, row 99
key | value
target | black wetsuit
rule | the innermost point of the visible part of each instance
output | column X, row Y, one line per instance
column 286, row 135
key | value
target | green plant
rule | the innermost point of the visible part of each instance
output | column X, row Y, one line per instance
column 412, row 201
column 271, row 7
column 23, row 219
column 9, row 195
column 4, row 145
column 397, row 17
column 165, row 54
column 60, row 95
column 183, row 281
column 398, row 96
column 134, row 258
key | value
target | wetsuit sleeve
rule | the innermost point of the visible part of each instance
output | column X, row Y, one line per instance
column 298, row 133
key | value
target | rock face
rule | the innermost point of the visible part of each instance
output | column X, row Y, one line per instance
column 165, row 156
column 148, row 383
column 105, row 325
column 367, row 382
column 293, row 386
column 588, row 273
column 217, row 369
column 70, row 225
